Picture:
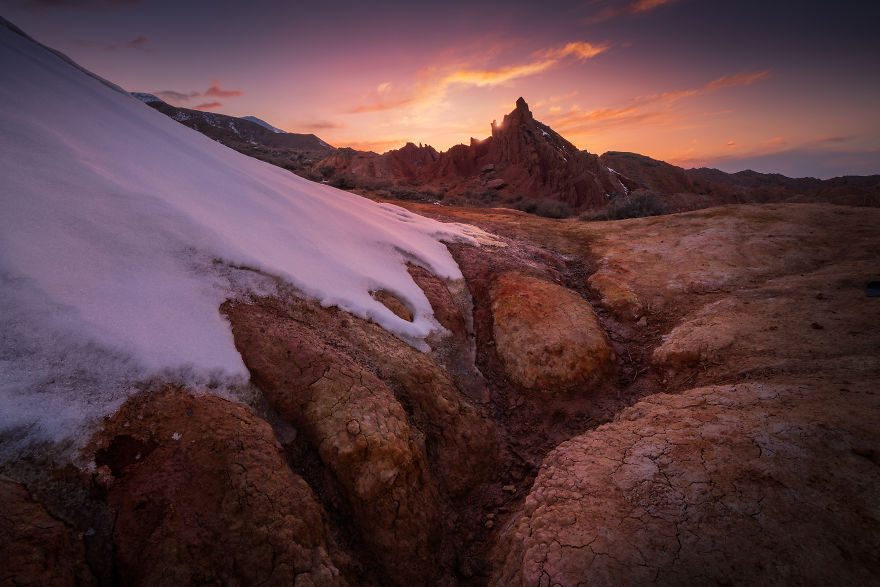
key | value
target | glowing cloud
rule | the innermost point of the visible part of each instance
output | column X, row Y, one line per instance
column 654, row 107
column 209, row 105
column 435, row 83
column 634, row 7
column 215, row 91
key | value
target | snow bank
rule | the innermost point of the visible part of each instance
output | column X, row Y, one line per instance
column 118, row 231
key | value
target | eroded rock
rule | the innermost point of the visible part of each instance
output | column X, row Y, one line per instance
column 616, row 296
column 36, row 548
column 203, row 495
column 359, row 428
column 749, row 484
column 547, row 335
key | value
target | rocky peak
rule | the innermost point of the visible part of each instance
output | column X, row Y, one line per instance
column 513, row 122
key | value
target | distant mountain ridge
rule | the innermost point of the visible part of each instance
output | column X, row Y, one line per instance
column 523, row 164
column 249, row 135
column 263, row 123
column 522, row 159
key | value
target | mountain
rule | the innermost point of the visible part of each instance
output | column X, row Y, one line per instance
column 263, row 123
column 650, row 173
column 249, row 135
column 523, row 164
column 522, row 160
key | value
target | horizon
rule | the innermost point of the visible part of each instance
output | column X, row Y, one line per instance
column 693, row 84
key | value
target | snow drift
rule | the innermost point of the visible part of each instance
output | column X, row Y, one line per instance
column 121, row 232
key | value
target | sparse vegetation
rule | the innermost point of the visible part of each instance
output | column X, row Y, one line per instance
column 545, row 208
column 638, row 204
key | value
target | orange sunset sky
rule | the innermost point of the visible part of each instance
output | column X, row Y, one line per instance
column 788, row 87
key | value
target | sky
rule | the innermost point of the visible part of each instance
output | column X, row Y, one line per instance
column 775, row 86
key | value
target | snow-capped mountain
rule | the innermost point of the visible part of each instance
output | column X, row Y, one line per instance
column 146, row 98
column 263, row 123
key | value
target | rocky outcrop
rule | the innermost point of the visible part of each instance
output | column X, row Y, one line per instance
column 521, row 159
column 202, row 494
column 405, row 163
column 360, row 431
column 753, row 483
column 547, row 336
column 616, row 296
column 36, row 548
column 653, row 174
column 386, row 419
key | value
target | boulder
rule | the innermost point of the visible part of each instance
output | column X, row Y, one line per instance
column 202, row 494
column 616, row 296
column 546, row 335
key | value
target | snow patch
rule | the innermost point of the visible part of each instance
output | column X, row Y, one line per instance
column 145, row 97
column 264, row 124
column 121, row 233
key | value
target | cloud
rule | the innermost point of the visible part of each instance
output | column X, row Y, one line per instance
column 655, row 108
column 435, row 83
column 613, row 9
column 320, row 125
column 738, row 79
column 492, row 77
column 579, row 49
column 209, row 105
column 383, row 105
column 215, row 91
column 773, row 144
column 172, row 96
column 136, row 43
column 548, row 58
column 646, row 5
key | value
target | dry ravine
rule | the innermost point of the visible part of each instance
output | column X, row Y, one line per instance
column 681, row 399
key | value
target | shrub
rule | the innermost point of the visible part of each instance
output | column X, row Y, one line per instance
column 637, row 204
column 545, row 208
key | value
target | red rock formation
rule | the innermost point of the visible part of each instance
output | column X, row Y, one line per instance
column 547, row 336
column 35, row 548
column 203, row 495
column 405, row 163
column 522, row 158
column 750, row 484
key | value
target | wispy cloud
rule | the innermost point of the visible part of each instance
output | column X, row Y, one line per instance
column 136, row 43
column 172, row 96
column 319, row 125
column 655, row 108
column 215, row 91
column 603, row 11
column 434, row 82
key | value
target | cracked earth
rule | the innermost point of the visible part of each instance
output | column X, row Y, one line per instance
column 679, row 399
